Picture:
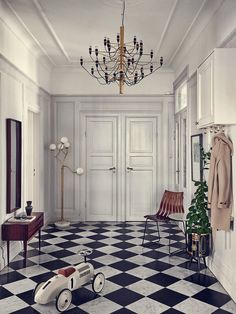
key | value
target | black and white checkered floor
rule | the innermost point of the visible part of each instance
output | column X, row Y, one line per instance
column 138, row 279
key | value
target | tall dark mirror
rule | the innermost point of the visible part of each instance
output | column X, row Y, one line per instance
column 13, row 132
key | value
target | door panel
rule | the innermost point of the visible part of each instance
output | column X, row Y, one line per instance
column 140, row 167
column 101, row 153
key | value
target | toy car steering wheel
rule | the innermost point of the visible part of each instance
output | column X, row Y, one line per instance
column 85, row 253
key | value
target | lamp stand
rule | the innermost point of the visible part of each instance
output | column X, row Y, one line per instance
column 62, row 224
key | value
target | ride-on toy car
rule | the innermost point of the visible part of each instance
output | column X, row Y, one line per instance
column 60, row 286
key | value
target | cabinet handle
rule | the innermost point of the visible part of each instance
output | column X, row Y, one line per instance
column 112, row 168
column 130, row 168
column 196, row 123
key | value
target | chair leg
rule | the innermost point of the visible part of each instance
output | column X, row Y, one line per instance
column 204, row 260
column 158, row 231
column 170, row 233
column 144, row 231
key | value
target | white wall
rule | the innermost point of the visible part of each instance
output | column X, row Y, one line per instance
column 200, row 42
column 68, row 81
column 68, row 121
column 17, row 47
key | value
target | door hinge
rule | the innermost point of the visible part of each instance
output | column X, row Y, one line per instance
column 85, row 133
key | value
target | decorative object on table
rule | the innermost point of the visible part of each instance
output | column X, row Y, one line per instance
column 61, row 149
column 196, row 160
column 28, row 208
column 220, row 182
column 13, row 159
column 67, row 280
column 121, row 62
column 198, row 225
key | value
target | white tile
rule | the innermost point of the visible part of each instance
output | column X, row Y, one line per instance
column 144, row 287
column 50, row 248
column 108, row 259
column 108, row 249
column 100, row 305
column 108, row 271
column 33, row 271
column 111, row 234
column 142, row 272
column 136, row 234
column 61, row 233
column 173, row 260
column 230, row 307
column 73, row 259
column 140, row 259
column 42, row 258
column 178, row 272
column 186, row 287
column 20, row 286
column 49, row 308
column 87, row 233
column 146, row 305
column 217, row 287
column 108, row 287
column 55, row 240
column 12, row 304
column 110, row 241
column 135, row 241
column 138, row 249
column 6, row 270
column 199, row 307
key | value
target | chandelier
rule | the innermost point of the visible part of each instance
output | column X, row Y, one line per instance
column 120, row 62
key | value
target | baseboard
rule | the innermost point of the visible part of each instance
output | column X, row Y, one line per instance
column 15, row 248
column 224, row 273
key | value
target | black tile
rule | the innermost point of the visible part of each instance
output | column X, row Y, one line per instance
column 158, row 265
column 32, row 253
column 123, row 225
column 168, row 297
column 27, row 296
column 176, row 237
column 163, row 279
column 61, row 253
column 201, row 279
column 71, row 237
column 155, row 254
column 124, row 296
column 10, row 277
column 36, row 244
column 98, row 237
column 43, row 277
column 47, row 236
column 123, row 265
column 67, row 244
column 20, row 264
column 4, row 293
column 96, row 245
column 220, row 311
column 76, row 310
column 99, row 230
column 123, row 254
column 123, row 279
column 96, row 264
column 123, row 245
column 83, row 295
column 56, row 264
column 123, row 237
column 212, row 297
column 26, row 310
column 124, row 230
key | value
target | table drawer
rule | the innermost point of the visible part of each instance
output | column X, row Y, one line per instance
column 35, row 226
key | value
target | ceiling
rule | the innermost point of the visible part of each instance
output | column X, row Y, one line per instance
column 64, row 29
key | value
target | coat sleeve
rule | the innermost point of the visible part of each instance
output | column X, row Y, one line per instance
column 224, row 178
column 211, row 178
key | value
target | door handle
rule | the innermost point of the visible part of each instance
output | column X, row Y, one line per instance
column 112, row 168
column 130, row 168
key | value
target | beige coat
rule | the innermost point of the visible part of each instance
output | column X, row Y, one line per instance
column 220, row 182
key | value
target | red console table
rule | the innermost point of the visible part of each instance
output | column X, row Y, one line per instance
column 22, row 231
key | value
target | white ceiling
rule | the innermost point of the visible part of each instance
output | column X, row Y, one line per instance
column 64, row 29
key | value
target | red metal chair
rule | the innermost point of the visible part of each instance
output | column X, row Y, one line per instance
column 171, row 203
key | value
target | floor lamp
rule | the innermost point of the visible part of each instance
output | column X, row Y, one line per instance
column 61, row 150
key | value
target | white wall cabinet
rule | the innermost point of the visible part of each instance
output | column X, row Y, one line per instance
column 217, row 88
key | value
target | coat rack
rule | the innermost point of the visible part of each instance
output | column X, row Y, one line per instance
column 61, row 149
column 216, row 128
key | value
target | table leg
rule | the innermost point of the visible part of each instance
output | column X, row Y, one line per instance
column 8, row 252
column 25, row 252
column 39, row 239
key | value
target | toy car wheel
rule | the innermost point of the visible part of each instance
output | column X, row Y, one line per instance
column 98, row 282
column 36, row 289
column 63, row 300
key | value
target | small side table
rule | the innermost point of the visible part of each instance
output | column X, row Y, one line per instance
column 179, row 217
column 22, row 231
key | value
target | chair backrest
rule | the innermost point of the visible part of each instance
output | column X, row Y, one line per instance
column 171, row 203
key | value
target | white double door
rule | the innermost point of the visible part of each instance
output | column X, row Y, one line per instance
column 121, row 174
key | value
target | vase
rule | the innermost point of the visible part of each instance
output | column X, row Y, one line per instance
column 28, row 208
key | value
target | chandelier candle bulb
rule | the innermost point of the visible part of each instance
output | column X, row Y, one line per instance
column 120, row 62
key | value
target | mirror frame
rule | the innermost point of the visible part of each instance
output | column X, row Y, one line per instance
column 13, row 137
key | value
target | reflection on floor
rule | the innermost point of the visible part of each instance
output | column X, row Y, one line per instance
column 138, row 279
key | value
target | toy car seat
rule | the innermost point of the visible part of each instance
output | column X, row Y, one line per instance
column 66, row 271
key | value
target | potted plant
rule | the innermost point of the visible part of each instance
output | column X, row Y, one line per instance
column 198, row 225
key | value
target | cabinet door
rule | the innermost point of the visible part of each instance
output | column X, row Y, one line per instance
column 205, row 93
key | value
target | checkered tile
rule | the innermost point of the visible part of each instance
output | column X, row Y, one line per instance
column 138, row 279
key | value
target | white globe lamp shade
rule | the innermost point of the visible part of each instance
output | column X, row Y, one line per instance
column 60, row 146
column 67, row 144
column 52, row 146
column 64, row 139
column 79, row 171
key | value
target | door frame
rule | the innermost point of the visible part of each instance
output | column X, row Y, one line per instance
column 161, row 167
